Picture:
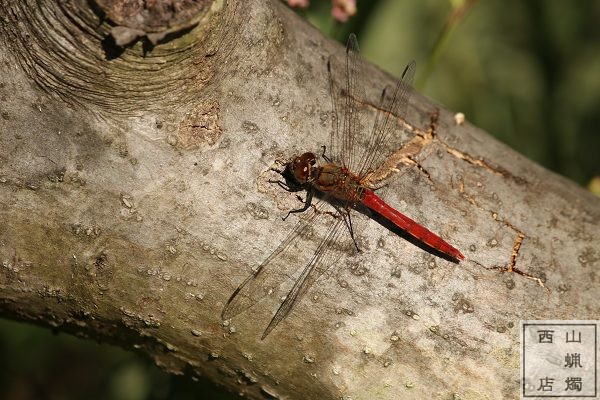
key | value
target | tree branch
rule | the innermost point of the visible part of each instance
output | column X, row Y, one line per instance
column 134, row 199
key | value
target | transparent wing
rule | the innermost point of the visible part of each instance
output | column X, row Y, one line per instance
column 283, row 264
column 392, row 105
column 270, row 274
column 324, row 256
column 354, row 143
column 346, row 94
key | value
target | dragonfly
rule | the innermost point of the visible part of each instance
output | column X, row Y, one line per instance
column 341, row 182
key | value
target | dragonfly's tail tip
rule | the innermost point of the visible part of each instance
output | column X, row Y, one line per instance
column 265, row 334
column 225, row 315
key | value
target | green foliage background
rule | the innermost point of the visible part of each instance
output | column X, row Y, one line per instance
column 528, row 72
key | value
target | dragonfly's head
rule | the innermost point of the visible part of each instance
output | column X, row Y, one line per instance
column 301, row 167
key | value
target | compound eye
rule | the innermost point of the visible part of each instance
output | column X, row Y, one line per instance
column 313, row 161
column 301, row 172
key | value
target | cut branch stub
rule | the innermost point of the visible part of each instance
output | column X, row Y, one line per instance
column 153, row 19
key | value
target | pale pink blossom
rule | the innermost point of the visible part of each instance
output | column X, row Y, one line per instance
column 343, row 9
column 298, row 3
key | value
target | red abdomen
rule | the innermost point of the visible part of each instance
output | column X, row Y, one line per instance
column 371, row 200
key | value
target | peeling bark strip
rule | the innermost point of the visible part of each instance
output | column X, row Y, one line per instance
column 199, row 126
column 482, row 163
column 512, row 265
column 515, row 252
column 120, row 220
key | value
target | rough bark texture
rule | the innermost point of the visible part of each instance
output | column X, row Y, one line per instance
column 133, row 200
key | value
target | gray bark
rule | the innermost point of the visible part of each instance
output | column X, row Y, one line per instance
column 134, row 199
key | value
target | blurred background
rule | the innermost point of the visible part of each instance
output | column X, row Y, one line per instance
column 527, row 72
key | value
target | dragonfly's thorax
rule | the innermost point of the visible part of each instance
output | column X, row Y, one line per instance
column 338, row 182
column 330, row 178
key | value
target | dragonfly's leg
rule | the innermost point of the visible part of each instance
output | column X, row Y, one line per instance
column 326, row 158
column 351, row 228
column 307, row 203
column 282, row 185
column 285, row 186
column 345, row 213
